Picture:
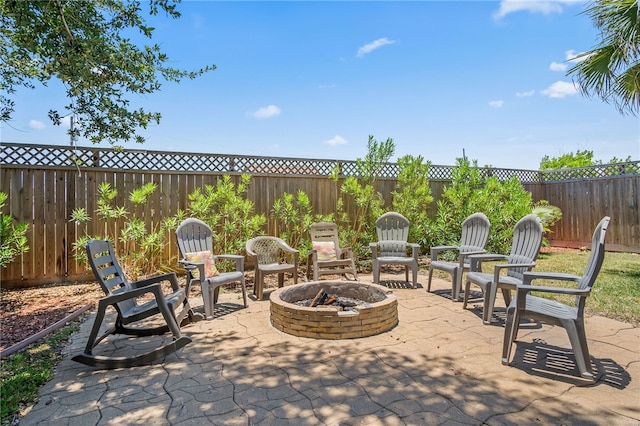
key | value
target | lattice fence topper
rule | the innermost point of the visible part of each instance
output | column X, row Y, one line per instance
column 143, row 160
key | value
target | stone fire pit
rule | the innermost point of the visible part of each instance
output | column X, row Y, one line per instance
column 375, row 312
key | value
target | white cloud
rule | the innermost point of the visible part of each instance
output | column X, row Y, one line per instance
column 525, row 94
column 533, row 6
column 560, row 89
column 267, row 112
column 496, row 104
column 370, row 47
column 336, row 140
column 36, row 124
column 556, row 66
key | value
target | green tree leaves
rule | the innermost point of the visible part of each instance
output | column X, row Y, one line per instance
column 86, row 45
column 611, row 71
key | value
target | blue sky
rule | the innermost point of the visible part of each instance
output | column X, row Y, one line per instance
column 315, row 79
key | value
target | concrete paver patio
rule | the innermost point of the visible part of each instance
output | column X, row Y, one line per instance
column 440, row 365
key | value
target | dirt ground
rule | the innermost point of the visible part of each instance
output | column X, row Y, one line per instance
column 27, row 311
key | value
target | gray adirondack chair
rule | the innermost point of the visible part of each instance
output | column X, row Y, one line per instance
column 271, row 255
column 570, row 317
column 194, row 235
column 475, row 233
column 124, row 297
column 393, row 232
column 527, row 238
column 340, row 262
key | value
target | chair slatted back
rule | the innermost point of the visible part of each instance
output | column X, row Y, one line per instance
column 596, row 257
column 325, row 232
column 527, row 239
column 475, row 233
column 108, row 272
column 193, row 235
column 393, row 232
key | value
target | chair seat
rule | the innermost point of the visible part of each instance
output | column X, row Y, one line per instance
column 393, row 259
column 174, row 300
column 541, row 308
column 277, row 267
column 483, row 279
column 445, row 266
column 226, row 277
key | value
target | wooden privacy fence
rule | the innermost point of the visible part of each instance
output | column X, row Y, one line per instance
column 46, row 183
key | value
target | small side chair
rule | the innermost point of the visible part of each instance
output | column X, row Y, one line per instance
column 570, row 317
column 195, row 241
column 393, row 232
column 326, row 256
column 475, row 233
column 271, row 255
column 527, row 239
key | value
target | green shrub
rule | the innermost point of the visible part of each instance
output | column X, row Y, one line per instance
column 225, row 208
column 412, row 196
column 368, row 202
column 13, row 240
column 292, row 217
column 139, row 251
column 504, row 203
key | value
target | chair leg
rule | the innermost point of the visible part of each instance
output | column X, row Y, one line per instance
column 510, row 333
column 455, row 284
column 414, row 272
column 295, row 277
column 429, row 281
column 207, row 298
column 281, row 280
column 244, row 291
column 578, row 341
column 376, row 272
column 467, row 289
column 489, row 302
column 258, row 284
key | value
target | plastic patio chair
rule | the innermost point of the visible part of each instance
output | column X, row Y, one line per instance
column 393, row 232
column 475, row 233
column 527, row 239
column 326, row 256
column 570, row 317
column 271, row 255
column 195, row 241
column 124, row 296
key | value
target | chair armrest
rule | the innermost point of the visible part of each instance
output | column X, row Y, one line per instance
column 189, row 266
column 374, row 250
column 286, row 247
column 436, row 250
column 528, row 277
column 169, row 276
column 415, row 250
column 499, row 267
column 475, row 261
column 235, row 257
column 116, row 297
column 525, row 289
column 346, row 253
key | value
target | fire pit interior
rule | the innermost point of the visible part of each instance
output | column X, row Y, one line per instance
column 342, row 309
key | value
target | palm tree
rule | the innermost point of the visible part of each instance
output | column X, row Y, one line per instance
column 611, row 71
